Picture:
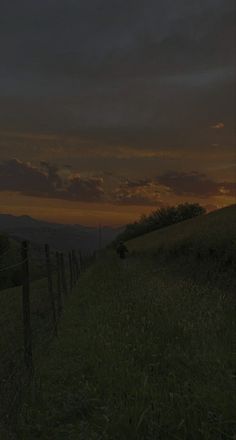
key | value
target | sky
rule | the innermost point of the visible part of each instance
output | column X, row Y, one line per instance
column 112, row 109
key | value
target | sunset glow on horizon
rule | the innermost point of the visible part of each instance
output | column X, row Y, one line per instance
column 108, row 114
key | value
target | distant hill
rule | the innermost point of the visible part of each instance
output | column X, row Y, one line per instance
column 59, row 236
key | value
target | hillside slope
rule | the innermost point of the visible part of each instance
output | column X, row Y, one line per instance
column 207, row 236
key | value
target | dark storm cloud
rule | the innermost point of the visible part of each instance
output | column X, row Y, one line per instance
column 195, row 184
column 46, row 182
column 23, row 177
column 134, row 184
column 86, row 189
column 137, row 192
column 163, row 66
column 125, row 38
column 51, row 172
column 106, row 43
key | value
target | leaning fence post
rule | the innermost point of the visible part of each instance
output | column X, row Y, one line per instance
column 59, row 292
column 63, row 274
column 26, row 309
column 50, row 286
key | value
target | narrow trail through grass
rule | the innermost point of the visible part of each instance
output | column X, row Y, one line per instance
column 140, row 355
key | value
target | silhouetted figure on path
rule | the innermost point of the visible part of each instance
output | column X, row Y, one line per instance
column 121, row 250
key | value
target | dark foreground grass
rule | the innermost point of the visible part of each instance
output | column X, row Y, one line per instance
column 143, row 353
column 13, row 374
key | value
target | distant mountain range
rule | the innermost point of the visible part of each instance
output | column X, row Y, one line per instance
column 59, row 236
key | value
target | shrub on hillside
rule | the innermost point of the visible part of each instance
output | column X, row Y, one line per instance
column 161, row 218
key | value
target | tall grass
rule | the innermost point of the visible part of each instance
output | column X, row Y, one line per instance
column 212, row 235
column 143, row 353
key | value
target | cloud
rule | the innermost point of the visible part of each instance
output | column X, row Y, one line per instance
column 112, row 58
column 218, row 126
column 25, row 178
column 101, row 39
column 45, row 181
column 89, row 144
column 138, row 192
column 86, row 189
column 228, row 188
column 193, row 183
column 49, row 181
column 136, row 184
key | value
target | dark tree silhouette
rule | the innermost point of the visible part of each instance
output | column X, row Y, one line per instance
column 161, row 218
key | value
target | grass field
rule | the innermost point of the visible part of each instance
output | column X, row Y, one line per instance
column 211, row 235
column 145, row 347
column 14, row 379
column 13, row 375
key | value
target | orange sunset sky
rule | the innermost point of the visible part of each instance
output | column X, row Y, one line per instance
column 109, row 111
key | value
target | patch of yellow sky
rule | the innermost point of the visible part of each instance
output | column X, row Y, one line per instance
column 91, row 214
column 62, row 211
column 218, row 163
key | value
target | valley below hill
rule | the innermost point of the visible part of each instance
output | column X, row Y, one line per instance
column 59, row 236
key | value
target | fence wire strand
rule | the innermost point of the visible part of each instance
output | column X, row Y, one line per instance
column 13, row 265
column 4, row 253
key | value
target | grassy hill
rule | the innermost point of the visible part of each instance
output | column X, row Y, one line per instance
column 145, row 347
column 206, row 235
column 203, row 248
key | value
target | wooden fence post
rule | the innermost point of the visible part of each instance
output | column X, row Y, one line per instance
column 26, row 309
column 50, row 286
column 63, row 274
column 77, row 267
column 74, row 267
column 79, row 261
column 71, row 270
column 59, row 286
column 76, row 272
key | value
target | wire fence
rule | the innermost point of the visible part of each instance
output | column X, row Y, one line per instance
column 4, row 253
column 29, row 316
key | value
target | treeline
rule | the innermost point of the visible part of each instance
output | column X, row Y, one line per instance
column 161, row 218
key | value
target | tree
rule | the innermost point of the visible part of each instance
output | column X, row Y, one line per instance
column 161, row 218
